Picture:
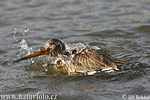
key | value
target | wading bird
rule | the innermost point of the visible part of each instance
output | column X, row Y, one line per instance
column 78, row 61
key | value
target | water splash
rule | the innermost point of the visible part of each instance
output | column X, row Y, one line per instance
column 14, row 34
column 24, row 48
column 25, row 31
column 78, row 47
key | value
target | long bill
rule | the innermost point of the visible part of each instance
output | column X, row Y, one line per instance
column 39, row 53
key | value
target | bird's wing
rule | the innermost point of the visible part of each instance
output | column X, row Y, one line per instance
column 90, row 60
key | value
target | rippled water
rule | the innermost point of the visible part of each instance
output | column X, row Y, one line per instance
column 121, row 27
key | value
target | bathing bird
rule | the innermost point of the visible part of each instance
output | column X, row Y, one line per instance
column 87, row 60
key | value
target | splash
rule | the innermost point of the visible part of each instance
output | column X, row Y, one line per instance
column 25, row 31
column 24, row 48
column 79, row 47
column 14, row 34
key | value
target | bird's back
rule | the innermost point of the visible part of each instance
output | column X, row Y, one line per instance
column 91, row 60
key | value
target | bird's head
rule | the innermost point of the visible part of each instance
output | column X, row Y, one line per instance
column 52, row 48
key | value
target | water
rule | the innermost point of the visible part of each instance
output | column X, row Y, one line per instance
column 121, row 27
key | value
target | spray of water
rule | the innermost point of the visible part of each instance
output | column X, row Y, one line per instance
column 24, row 48
column 14, row 33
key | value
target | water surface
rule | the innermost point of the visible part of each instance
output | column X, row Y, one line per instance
column 121, row 27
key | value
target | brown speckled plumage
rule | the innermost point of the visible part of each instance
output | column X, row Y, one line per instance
column 90, row 60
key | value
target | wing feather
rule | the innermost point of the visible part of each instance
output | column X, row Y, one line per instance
column 90, row 60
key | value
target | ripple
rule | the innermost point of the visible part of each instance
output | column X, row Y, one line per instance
column 139, row 89
column 143, row 29
column 121, row 26
column 22, row 90
column 111, row 34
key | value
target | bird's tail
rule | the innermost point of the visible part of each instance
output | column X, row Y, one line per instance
column 120, row 62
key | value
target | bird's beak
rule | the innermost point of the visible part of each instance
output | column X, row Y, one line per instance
column 39, row 53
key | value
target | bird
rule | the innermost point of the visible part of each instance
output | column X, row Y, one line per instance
column 78, row 61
